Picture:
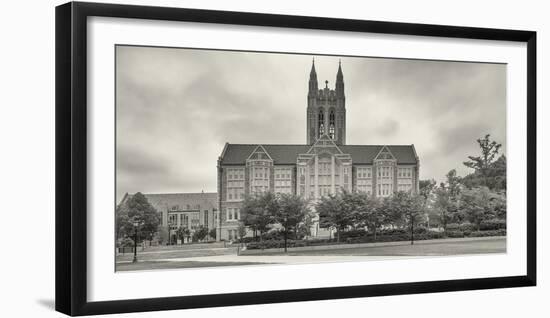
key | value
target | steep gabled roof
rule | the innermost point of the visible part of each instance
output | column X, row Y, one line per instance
column 236, row 154
column 259, row 149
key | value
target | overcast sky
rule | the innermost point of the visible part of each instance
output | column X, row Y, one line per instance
column 176, row 108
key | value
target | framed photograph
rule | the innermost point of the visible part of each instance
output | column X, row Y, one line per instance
column 213, row 158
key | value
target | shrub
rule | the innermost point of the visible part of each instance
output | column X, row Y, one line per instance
column 454, row 233
column 420, row 230
column 494, row 224
column 274, row 235
column 127, row 242
column 396, row 231
column 500, row 232
column 467, row 226
column 351, row 234
column 453, row 226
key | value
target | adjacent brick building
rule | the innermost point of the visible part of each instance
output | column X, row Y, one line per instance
column 187, row 210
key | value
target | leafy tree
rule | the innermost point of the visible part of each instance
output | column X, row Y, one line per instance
column 495, row 179
column 427, row 188
column 304, row 228
column 373, row 213
column 182, row 233
column 443, row 206
column 258, row 212
column 332, row 213
column 163, row 234
column 200, row 233
column 393, row 217
column 499, row 205
column 137, row 209
column 453, row 184
column 213, row 233
column 427, row 192
column 241, row 231
column 410, row 207
column 482, row 163
column 353, row 205
column 477, row 205
column 293, row 210
column 122, row 221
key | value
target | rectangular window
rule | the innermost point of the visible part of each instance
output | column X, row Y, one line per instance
column 283, row 180
column 233, row 214
column 235, row 184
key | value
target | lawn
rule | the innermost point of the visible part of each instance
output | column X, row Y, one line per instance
column 420, row 248
column 152, row 265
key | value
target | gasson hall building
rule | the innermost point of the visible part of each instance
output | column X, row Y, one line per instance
column 323, row 165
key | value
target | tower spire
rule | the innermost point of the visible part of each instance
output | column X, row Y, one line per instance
column 313, row 85
column 313, row 73
column 340, row 81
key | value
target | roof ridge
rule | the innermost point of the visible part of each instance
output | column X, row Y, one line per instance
column 260, row 144
column 178, row 193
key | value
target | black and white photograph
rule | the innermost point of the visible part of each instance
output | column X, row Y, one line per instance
column 274, row 159
column 249, row 158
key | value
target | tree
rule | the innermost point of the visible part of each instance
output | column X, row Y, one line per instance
column 122, row 221
column 304, row 228
column 495, row 179
column 353, row 205
column 410, row 207
column 482, row 163
column 373, row 213
column 332, row 213
column 427, row 189
column 200, row 233
column 442, row 206
column 292, row 211
column 137, row 209
column 453, row 184
column 258, row 212
column 182, row 233
column 212, row 233
column 241, row 231
column 477, row 205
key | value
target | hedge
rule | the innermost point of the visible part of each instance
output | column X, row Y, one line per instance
column 397, row 236
column 490, row 225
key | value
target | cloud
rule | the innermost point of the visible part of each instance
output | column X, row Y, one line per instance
column 176, row 108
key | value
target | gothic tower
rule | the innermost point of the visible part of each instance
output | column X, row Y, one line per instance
column 326, row 109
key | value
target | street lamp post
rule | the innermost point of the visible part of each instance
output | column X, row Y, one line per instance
column 135, row 241
column 286, row 230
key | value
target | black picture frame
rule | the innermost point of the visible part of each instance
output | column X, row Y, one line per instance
column 71, row 157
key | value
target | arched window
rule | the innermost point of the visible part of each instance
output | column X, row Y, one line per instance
column 331, row 125
column 321, row 122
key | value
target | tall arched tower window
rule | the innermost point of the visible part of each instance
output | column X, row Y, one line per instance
column 331, row 129
column 321, row 122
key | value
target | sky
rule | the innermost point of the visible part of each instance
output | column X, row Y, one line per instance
column 176, row 108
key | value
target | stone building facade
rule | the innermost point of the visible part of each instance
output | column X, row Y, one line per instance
column 324, row 165
column 187, row 210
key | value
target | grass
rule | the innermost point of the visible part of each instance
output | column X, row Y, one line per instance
column 496, row 245
column 152, row 265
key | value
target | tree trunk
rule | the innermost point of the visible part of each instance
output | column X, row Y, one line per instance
column 412, row 231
